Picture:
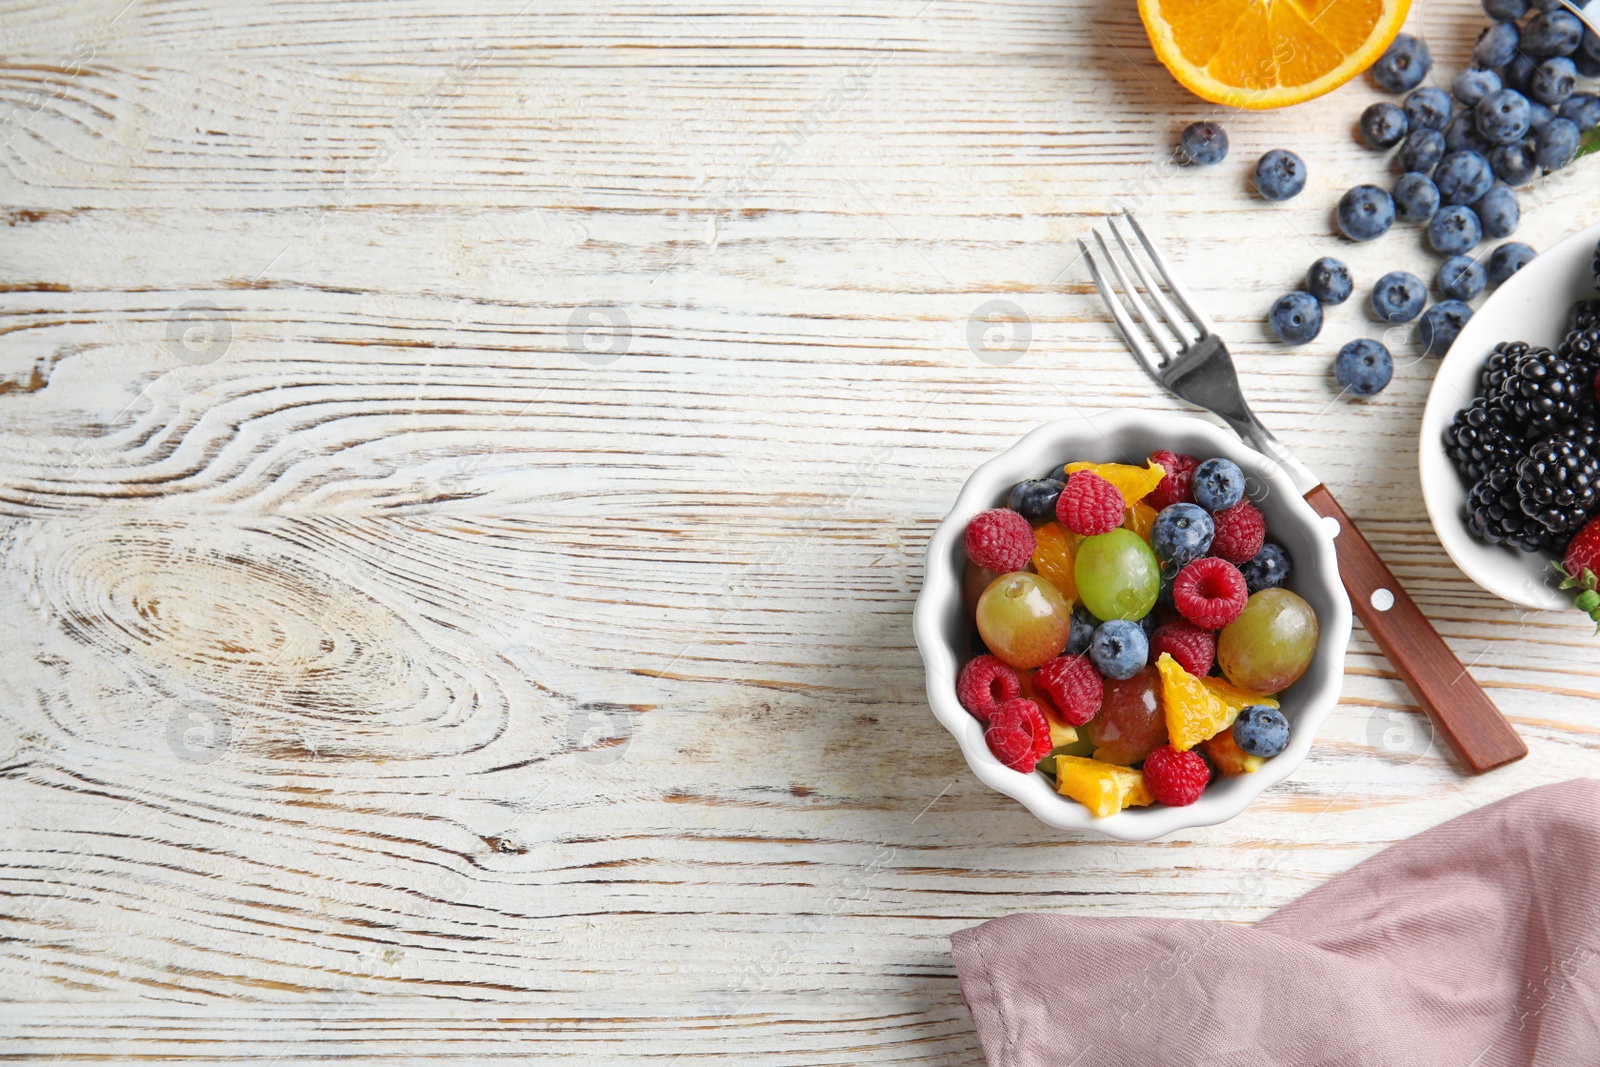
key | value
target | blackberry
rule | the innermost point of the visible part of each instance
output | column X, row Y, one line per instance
column 1478, row 442
column 1586, row 434
column 1539, row 393
column 1585, row 315
column 1558, row 482
column 1581, row 350
column 1494, row 514
column 1499, row 364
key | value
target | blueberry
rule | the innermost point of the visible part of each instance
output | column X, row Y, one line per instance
column 1554, row 81
column 1583, row 109
column 1268, row 570
column 1083, row 628
column 1455, row 229
column 1280, row 174
column 1416, row 198
column 1552, row 33
column 1363, row 368
column 1422, row 151
column 1462, row 133
column 1403, row 66
column 1365, row 212
column 1398, row 297
column 1296, row 317
column 1587, row 61
column 1261, row 731
column 1503, row 117
column 1505, row 9
column 1518, row 74
column 1462, row 177
column 1462, row 278
column 1329, row 281
column 1440, row 326
column 1507, row 260
column 1205, row 143
column 1514, row 164
column 1057, row 474
column 1119, row 649
column 1035, row 500
column 1471, row 86
column 1497, row 45
column 1498, row 211
column 1556, row 144
column 1383, row 125
column 1538, row 116
column 1546, row 5
column 1217, row 484
column 1428, row 109
column 1182, row 533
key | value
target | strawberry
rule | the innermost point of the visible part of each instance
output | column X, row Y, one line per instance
column 1580, row 568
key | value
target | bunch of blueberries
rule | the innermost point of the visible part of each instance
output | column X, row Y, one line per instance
column 1515, row 113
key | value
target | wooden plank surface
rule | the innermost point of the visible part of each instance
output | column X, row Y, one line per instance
column 463, row 479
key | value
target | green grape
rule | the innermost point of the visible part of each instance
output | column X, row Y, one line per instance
column 1118, row 576
column 1131, row 722
column 1024, row 620
column 1270, row 645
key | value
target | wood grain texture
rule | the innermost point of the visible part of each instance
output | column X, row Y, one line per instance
column 463, row 484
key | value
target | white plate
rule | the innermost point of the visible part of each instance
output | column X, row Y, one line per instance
column 1533, row 307
column 944, row 632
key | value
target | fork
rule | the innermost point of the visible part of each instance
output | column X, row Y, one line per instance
column 1194, row 364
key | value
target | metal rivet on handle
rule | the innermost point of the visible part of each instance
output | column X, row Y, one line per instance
column 1332, row 525
column 1382, row 599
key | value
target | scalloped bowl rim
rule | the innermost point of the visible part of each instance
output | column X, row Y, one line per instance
column 1315, row 577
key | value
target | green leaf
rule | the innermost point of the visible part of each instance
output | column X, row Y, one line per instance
column 1590, row 144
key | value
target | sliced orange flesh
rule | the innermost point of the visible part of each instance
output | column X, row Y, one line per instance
column 1260, row 54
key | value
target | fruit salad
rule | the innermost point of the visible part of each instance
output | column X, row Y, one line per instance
column 1528, row 449
column 1133, row 630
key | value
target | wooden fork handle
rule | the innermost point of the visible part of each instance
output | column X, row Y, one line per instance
column 1459, row 708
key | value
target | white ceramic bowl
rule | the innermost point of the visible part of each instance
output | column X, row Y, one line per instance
column 1532, row 306
column 944, row 632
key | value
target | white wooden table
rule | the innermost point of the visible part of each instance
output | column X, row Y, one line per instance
column 465, row 482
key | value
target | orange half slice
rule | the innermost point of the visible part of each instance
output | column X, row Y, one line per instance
column 1260, row 54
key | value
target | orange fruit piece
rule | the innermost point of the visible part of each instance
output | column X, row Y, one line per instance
column 1194, row 713
column 1234, row 697
column 1229, row 757
column 1054, row 549
column 1134, row 483
column 1139, row 518
column 1260, row 54
column 1103, row 788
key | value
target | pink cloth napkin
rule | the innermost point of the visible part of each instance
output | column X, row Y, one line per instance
column 1474, row 944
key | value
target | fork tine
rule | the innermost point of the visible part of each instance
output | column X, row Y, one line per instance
column 1179, row 290
column 1130, row 332
column 1131, row 293
column 1183, row 329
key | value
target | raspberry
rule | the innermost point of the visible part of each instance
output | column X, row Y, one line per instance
column 1000, row 540
column 1240, row 533
column 1090, row 505
column 1174, row 488
column 1192, row 647
column 1175, row 778
column 984, row 685
column 1210, row 593
column 1073, row 686
column 1018, row 734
